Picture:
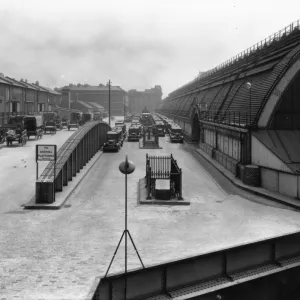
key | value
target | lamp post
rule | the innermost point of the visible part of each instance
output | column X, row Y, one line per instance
column 124, row 107
column 126, row 167
column 109, row 102
column 249, row 86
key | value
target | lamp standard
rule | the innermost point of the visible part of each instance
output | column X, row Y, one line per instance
column 109, row 82
column 124, row 107
column 249, row 86
column 126, row 167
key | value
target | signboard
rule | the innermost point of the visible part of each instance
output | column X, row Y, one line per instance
column 162, row 184
column 46, row 152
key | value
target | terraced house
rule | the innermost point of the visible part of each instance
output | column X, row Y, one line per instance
column 22, row 97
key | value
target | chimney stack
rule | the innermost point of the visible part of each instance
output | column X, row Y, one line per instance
column 37, row 83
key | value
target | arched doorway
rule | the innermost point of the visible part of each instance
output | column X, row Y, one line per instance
column 195, row 128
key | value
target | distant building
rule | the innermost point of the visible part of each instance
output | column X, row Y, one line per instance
column 91, row 98
column 151, row 98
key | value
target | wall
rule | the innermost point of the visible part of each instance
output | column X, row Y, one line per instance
column 262, row 156
column 2, row 97
column 280, row 182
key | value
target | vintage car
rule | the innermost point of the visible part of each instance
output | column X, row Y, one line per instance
column 97, row 116
column 176, row 135
column 75, row 120
column 128, row 119
column 133, row 134
column 64, row 122
column 121, row 125
column 160, row 128
column 112, row 144
column 86, row 117
column 120, row 134
column 34, row 126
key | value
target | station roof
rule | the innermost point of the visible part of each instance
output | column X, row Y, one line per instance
column 226, row 91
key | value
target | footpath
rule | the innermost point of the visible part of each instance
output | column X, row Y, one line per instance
column 19, row 168
column 254, row 190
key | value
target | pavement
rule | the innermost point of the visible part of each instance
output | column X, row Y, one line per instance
column 19, row 169
column 277, row 197
column 60, row 254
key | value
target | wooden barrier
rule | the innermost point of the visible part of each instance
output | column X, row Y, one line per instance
column 205, row 276
column 71, row 157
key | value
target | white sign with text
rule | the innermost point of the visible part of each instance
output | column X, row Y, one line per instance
column 45, row 152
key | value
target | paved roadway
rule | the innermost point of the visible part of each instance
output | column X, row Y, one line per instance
column 58, row 254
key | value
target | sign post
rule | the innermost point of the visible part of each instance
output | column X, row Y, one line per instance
column 46, row 153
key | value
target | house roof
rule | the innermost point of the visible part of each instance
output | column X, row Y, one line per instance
column 2, row 80
column 28, row 85
column 82, row 103
column 96, row 105
column 93, row 88
column 40, row 88
column 13, row 81
column 57, row 107
column 51, row 91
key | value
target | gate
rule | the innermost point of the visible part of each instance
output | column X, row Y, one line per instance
column 163, row 167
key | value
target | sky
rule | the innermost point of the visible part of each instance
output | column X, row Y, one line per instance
column 137, row 44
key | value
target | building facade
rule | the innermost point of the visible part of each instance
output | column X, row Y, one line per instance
column 151, row 98
column 95, row 94
column 23, row 98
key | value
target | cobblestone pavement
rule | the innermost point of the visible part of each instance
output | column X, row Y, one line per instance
column 57, row 254
column 18, row 170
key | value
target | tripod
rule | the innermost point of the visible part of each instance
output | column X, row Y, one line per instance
column 125, row 167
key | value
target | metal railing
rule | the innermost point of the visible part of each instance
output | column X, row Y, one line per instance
column 163, row 167
column 71, row 157
column 231, row 118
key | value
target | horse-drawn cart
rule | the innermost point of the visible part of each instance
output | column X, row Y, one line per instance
column 15, row 133
column 34, row 126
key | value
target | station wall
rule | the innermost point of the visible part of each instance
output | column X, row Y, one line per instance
column 275, row 174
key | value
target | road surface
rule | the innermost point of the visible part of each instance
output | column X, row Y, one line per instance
column 58, row 254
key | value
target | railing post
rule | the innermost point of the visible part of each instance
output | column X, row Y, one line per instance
column 180, row 184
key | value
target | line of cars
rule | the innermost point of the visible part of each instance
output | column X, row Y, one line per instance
column 174, row 130
column 159, row 124
column 115, row 138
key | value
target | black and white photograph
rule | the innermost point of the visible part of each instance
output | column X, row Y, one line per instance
column 149, row 150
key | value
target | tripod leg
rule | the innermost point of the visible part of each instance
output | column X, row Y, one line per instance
column 135, row 248
column 115, row 253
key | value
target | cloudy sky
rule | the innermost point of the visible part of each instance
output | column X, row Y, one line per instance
column 135, row 43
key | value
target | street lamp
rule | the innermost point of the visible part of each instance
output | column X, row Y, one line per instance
column 126, row 167
column 109, row 82
column 249, row 86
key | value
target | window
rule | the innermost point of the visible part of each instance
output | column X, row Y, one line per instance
column 41, row 107
column 49, row 107
column 14, row 107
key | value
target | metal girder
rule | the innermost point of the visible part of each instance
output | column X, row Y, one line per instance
column 200, row 275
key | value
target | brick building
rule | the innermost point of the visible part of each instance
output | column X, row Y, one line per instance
column 99, row 95
column 151, row 98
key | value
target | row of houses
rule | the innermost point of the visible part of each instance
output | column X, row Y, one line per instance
column 22, row 97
